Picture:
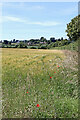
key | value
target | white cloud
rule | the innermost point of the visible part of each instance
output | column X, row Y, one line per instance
column 10, row 18
column 46, row 23
column 16, row 19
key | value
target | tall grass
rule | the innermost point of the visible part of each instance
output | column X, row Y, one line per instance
column 49, row 81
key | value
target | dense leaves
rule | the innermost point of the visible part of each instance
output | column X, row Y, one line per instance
column 73, row 28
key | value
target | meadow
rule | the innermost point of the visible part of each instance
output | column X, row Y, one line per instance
column 39, row 83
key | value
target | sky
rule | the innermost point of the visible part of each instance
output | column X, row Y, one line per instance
column 27, row 20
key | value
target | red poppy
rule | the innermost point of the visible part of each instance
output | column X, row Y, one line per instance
column 27, row 92
column 50, row 77
column 58, row 66
column 54, row 72
column 37, row 105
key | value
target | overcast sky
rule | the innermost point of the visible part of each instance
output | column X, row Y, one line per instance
column 26, row 20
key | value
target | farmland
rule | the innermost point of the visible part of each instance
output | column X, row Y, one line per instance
column 47, row 78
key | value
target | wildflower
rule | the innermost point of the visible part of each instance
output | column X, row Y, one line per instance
column 50, row 77
column 54, row 72
column 58, row 66
column 27, row 92
column 37, row 105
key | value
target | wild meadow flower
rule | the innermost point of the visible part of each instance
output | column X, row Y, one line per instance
column 58, row 66
column 50, row 77
column 54, row 72
column 37, row 105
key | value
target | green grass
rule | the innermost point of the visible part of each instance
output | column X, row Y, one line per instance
column 26, row 69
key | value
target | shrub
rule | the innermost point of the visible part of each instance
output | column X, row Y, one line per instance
column 33, row 47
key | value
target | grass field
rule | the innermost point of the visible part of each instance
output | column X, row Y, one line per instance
column 44, row 77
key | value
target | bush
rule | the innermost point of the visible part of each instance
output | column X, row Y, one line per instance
column 16, row 46
column 33, row 47
column 43, row 47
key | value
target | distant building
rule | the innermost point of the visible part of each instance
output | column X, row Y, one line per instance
column 42, row 42
column 29, row 43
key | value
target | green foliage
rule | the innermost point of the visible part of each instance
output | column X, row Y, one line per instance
column 56, row 43
column 52, row 39
column 33, row 47
column 68, row 46
column 42, row 39
column 9, row 43
column 16, row 46
column 43, row 47
column 72, row 28
column 22, row 45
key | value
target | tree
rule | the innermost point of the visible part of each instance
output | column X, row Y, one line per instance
column 21, row 45
column 9, row 43
column 72, row 28
column 14, row 40
column 56, row 44
column 52, row 39
column 59, row 44
column 61, row 38
column 48, row 42
column 32, row 40
column 42, row 39
column 5, row 42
